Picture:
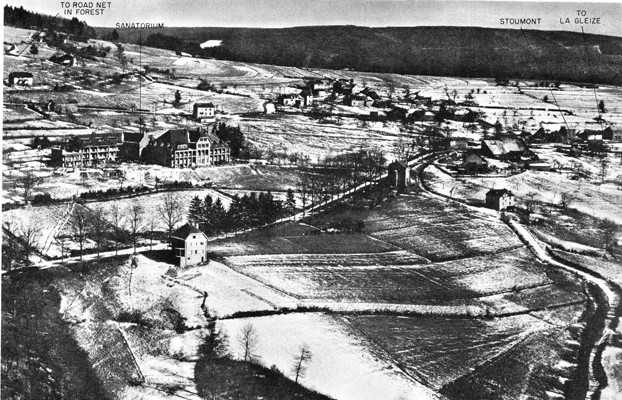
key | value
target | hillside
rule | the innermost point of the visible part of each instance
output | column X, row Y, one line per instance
column 448, row 51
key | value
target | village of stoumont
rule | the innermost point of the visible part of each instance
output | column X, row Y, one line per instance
column 183, row 227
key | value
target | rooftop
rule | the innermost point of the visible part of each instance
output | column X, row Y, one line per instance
column 185, row 231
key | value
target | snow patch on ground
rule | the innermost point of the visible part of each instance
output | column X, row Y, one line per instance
column 211, row 43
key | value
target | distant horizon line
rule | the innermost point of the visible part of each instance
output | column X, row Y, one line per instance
column 363, row 26
column 508, row 28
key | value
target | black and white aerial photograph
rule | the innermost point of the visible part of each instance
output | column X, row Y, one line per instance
column 311, row 200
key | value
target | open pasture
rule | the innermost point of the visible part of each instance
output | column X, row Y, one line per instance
column 438, row 351
column 15, row 113
column 528, row 370
column 344, row 366
column 437, row 230
column 299, row 134
column 265, row 242
column 394, row 277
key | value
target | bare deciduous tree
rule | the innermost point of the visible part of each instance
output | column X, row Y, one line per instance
column 136, row 224
column 302, row 358
column 249, row 340
column 24, row 235
column 116, row 219
column 27, row 183
column 171, row 210
column 603, row 168
column 565, row 199
column 152, row 224
column 80, row 226
column 99, row 227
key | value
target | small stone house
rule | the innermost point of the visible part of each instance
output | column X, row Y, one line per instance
column 189, row 245
column 67, row 60
column 290, row 100
column 500, row 199
column 399, row 175
column 307, row 98
column 21, row 79
column 269, row 107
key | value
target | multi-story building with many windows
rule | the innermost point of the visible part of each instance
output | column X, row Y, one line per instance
column 87, row 151
column 186, row 148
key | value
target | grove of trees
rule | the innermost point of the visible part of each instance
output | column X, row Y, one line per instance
column 245, row 212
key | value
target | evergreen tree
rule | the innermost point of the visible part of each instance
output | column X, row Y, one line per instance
column 177, row 98
column 290, row 202
column 270, row 209
column 34, row 49
column 218, row 218
column 233, row 136
column 115, row 36
column 215, row 343
column 234, row 215
column 195, row 211
column 253, row 211
column 206, row 222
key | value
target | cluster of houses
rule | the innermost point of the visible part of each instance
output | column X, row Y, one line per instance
column 174, row 148
column 395, row 104
column 564, row 135
column 400, row 179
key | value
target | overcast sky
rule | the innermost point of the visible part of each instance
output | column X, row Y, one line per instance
column 286, row 13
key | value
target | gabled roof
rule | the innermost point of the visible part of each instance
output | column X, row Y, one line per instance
column 399, row 164
column 20, row 74
column 185, row 231
column 181, row 136
column 207, row 105
column 472, row 154
column 62, row 58
column 499, row 192
column 504, row 145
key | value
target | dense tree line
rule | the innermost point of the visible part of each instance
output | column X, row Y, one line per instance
column 233, row 136
column 437, row 51
column 248, row 211
column 39, row 142
column 20, row 18
column 165, row 42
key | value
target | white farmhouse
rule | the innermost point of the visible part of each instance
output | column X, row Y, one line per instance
column 204, row 112
column 189, row 245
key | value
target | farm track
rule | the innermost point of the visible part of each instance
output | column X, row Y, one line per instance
column 606, row 303
column 62, row 221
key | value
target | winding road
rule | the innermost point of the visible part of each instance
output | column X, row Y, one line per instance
column 600, row 331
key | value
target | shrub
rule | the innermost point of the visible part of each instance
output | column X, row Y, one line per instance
column 41, row 199
column 135, row 317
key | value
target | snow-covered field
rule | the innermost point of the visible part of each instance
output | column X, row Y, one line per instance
column 230, row 292
column 300, row 134
column 344, row 366
column 601, row 200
